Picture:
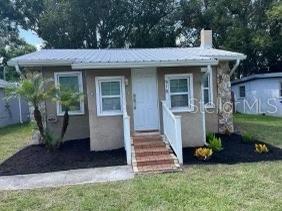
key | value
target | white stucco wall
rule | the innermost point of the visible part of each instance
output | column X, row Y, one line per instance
column 262, row 96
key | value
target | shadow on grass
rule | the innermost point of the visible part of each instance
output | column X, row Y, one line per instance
column 235, row 151
column 72, row 155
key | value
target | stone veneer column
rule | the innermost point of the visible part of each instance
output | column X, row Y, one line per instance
column 225, row 107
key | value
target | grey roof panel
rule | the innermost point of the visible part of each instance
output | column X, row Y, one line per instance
column 107, row 56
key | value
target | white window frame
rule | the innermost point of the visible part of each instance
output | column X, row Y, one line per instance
column 80, row 86
column 240, row 91
column 190, row 92
column 98, row 81
column 210, row 104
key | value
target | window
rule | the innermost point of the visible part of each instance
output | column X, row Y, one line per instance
column 179, row 92
column 109, row 93
column 242, row 91
column 70, row 81
column 207, row 91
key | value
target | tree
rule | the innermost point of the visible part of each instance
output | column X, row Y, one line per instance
column 274, row 20
column 101, row 23
column 16, row 48
column 35, row 91
column 10, row 43
column 68, row 100
column 252, row 27
column 238, row 25
column 152, row 24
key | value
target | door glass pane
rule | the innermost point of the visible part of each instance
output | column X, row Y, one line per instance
column 178, row 85
column 179, row 100
column 110, row 88
column 111, row 104
column 206, row 96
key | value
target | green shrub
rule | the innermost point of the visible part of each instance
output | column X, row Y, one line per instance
column 210, row 136
column 51, row 142
column 248, row 138
column 214, row 143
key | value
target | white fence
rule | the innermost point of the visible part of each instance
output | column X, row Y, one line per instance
column 172, row 131
column 126, row 135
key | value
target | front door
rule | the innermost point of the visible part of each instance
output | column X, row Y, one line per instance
column 145, row 99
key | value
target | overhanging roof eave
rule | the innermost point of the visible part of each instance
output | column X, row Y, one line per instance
column 142, row 64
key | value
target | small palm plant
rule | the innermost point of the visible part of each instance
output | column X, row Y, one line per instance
column 68, row 100
column 35, row 91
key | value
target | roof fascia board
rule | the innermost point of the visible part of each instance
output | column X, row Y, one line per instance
column 228, row 58
column 38, row 63
column 142, row 64
column 247, row 79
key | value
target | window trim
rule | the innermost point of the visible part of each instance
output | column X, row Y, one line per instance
column 80, row 87
column 187, row 76
column 98, row 81
column 210, row 104
column 240, row 91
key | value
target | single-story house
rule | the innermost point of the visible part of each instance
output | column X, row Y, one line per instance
column 136, row 91
column 259, row 94
column 12, row 111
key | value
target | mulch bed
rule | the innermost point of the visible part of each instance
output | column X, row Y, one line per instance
column 235, row 151
column 71, row 155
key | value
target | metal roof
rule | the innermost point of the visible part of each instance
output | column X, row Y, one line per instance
column 103, row 58
column 257, row 77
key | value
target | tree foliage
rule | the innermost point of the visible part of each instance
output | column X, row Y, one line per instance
column 35, row 91
column 101, row 23
column 10, row 43
column 252, row 27
column 248, row 26
column 68, row 100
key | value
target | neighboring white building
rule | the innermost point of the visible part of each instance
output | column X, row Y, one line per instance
column 13, row 111
column 259, row 94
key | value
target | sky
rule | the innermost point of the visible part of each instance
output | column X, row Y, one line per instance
column 31, row 38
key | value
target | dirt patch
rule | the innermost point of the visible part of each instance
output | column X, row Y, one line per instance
column 72, row 155
column 235, row 151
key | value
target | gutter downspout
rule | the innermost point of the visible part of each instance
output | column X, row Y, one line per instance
column 20, row 109
column 234, row 67
column 18, row 69
column 202, row 104
column 19, row 97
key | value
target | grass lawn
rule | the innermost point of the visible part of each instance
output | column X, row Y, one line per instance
column 248, row 186
column 12, row 138
column 237, row 187
column 263, row 128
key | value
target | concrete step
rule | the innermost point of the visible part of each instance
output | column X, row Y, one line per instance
column 154, row 160
column 152, row 154
column 158, row 168
column 149, row 145
column 152, row 151
column 144, row 142
column 147, row 140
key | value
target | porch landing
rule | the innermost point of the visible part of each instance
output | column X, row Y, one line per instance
column 151, row 154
